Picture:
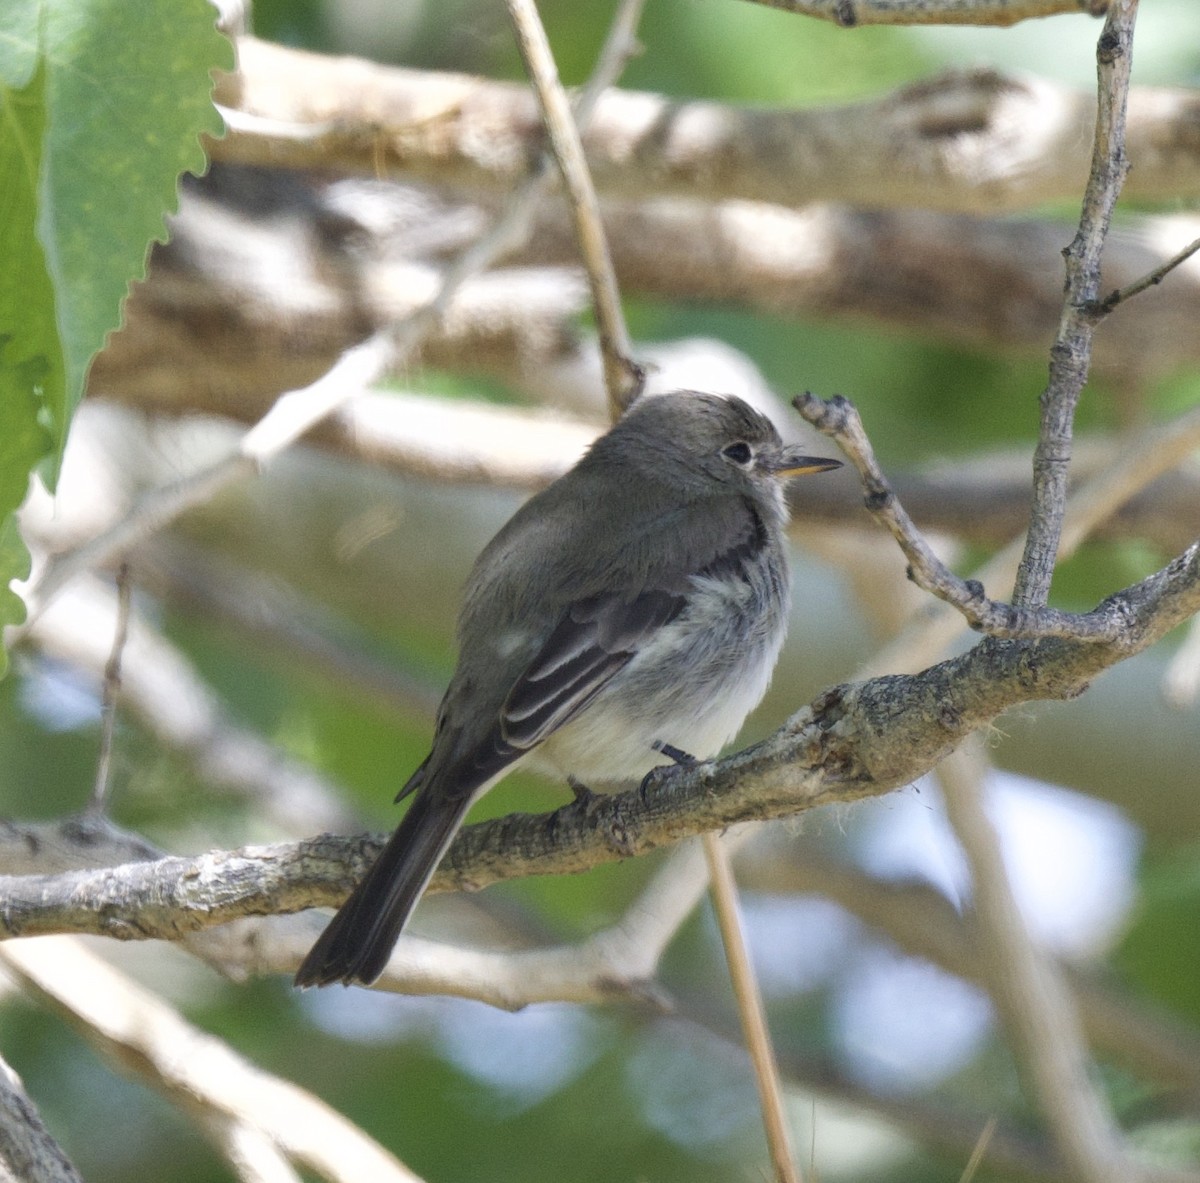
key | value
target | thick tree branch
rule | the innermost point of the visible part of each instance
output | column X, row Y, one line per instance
column 214, row 329
column 855, row 741
column 972, row 141
column 28, row 1153
column 622, row 960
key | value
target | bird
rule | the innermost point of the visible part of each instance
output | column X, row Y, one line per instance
column 628, row 614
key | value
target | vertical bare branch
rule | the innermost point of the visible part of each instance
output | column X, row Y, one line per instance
column 1034, row 1001
column 750, row 1007
column 623, row 381
column 112, row 688
column 622, row 377
column 1070, row 356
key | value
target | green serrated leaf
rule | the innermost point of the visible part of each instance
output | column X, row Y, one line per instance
column 102, row 104
column 31, row 360
column 129, row 92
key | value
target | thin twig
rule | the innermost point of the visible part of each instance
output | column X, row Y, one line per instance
column 112, row 688
column 839, row 420
column 291, row 415
column 750, row 1008
column 979, row 1151
column 622, row 376
column 163, row 690
column 1135, row 465
column 623, row 381
column 1070, row 355
column 849, row 13
column 1153, row 278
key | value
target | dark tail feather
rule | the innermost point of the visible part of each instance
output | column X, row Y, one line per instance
column 356, row 945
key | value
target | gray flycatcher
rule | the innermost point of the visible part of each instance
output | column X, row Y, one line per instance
column 629, row 613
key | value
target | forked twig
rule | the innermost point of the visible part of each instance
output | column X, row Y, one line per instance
column 1102, row 308
column 838, row 419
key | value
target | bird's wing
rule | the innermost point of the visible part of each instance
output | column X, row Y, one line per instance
column 595, row 638
column 598, row 635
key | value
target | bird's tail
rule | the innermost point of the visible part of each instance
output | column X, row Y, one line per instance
column 358, row 941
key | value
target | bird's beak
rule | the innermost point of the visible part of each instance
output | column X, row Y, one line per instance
column 786, row 463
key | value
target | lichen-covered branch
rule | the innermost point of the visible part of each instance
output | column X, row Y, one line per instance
column 855, row 741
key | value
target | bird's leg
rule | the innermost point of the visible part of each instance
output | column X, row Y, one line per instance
column 678, row 755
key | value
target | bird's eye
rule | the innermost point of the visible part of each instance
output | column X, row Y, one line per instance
column 739, row 453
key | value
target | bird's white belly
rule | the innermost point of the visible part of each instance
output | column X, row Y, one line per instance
column 691, row 688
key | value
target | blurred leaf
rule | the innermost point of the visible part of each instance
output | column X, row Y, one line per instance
column 1161, row 950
